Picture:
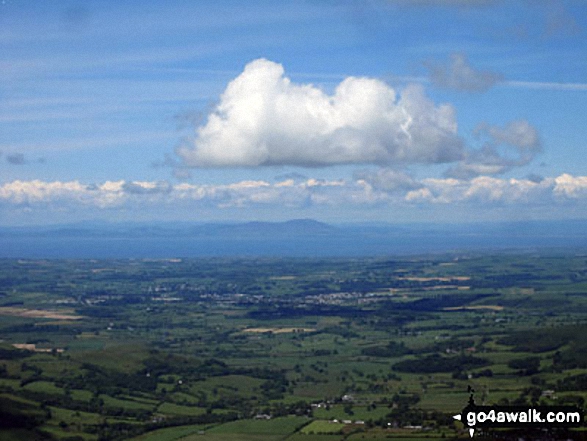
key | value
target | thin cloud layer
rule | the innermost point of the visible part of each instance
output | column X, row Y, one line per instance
column 265, row 119
column 145, row 187
column 379, row 188
column 486, row 189
column 447, row 3
column 458, row 74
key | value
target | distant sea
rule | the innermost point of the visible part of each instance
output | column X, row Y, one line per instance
column 291, row 239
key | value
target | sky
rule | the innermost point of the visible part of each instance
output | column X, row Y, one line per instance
column 342, row 111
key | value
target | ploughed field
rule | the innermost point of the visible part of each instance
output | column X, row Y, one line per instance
column 285, row 349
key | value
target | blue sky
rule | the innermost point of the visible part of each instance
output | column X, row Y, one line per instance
column 343, row 111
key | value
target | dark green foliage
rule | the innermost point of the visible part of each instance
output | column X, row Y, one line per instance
column 100, row 380
column 102, row 311
column 543, row 340
column 440, row 302
column 437, row 363
column 13, row 354
column 405, row 400
column 38, row 329
column 273, row 313
column 392, row 349
column 342, row 331
column 15, row 414
column 525, row 366
column 483, row 373
column 574, row 382
column 451, row 345
column 575, row 356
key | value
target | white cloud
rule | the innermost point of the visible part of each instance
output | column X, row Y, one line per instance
column 379, row 188
column 514, row 145
column 422, row 194
column 488, row 190
column 437, row 191
column 388, row 180
column 265, row 119
column 574, row 187
column 142, row 187
column 58, row 193
column 458, row 74
column 520, row 134
column 25, row 192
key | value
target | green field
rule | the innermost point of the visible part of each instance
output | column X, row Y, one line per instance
column 319, row 427
column 276, row 349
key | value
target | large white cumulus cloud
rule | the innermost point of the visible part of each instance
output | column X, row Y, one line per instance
column 265, row 119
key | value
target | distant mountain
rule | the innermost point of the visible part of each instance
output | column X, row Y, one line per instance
column 287, row 228
column 247, row 229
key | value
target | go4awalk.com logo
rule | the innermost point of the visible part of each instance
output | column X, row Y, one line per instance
column 527, row 417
